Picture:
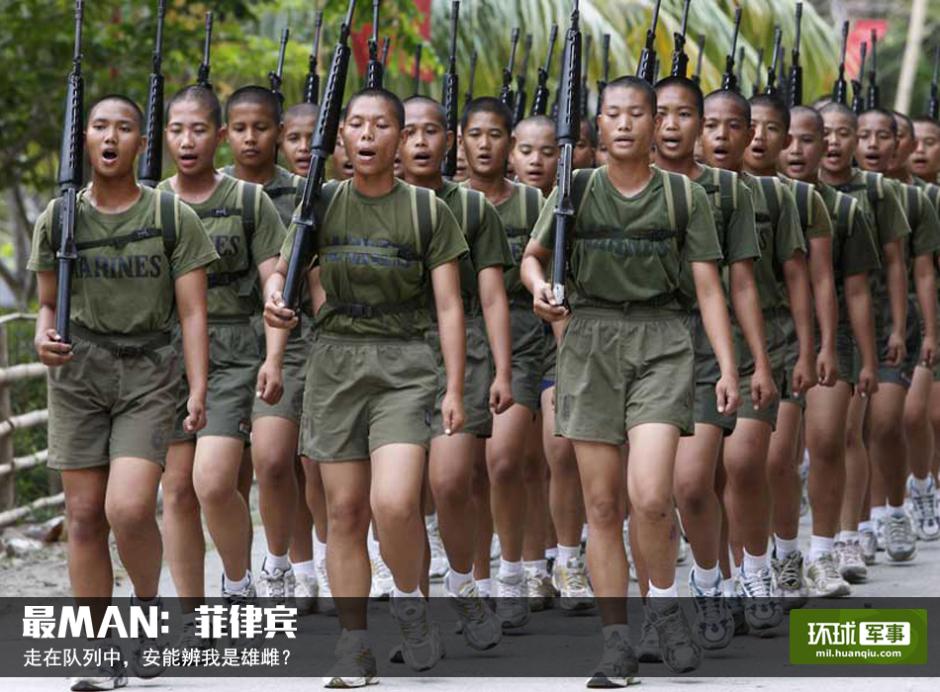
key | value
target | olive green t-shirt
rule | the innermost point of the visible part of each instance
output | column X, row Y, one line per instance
column 127, row 289
column 623, row 250
column 233, row 278
column 932, row 190
column 374, row 265
column 734, row 222
column 518, row 219
column 885, row 217
column 485, row 235
column 922, row 219
column 283, row 189
column 778, row 242
column 818, row 222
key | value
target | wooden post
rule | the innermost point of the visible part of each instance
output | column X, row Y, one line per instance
column 7, row 482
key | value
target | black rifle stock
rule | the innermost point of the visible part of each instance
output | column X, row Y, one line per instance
column 729, row 81
column 150, row 169
column 933, row 104
column 645, row 67
column 771, row 88
column 840, row 90
column 312, row 85
column 471, row 78
column 858, row 99
column 306, row 221
column 540, row 100
column 449, row 97
column 277, row 76
column 375, row 71
column 605, row 66
column 680, row 61
column 697, row 76
column 71, row 157
column 795, row 84
column 206, row 66
column 873, row 96
column 521, row 95
column 568, row 131
column 505, row 92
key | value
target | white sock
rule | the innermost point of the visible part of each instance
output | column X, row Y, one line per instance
column 735, row 567
column 456, row 580
column 373, row 543
column 537, row 566
column 786, row 546
column 623, row 630
column 236, row 584
column 308, row 567
column 360, row 635
column 705, row 578
column 272, row 562
column 921, row 485
column 584, row 532
column 485, row 587
column 879, row 512
column 397, row 593
column 669, row 592
column 430, row 521
column 755, row 563
column 319, row 549
column 510, row 569
column 819, row 546
column 727, row 587
column 849, row 537
column 895, row 511
column 867, row 525
column 567, row 552
column 551, row 553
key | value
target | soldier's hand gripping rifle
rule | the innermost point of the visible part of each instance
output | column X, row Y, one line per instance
column 680, row 61
column 873, row 95
column 568, row 131
column 468, row 95
column 840, row 90
column 771, row 88
column 150, row 169
column 521, row 96
column 306, row 222
column 375, row 71
column 70, row 179
column 540, row 101
column 312, row 85
column 449, row 97
column 858, row 100
column 729, row 81
column 505, row 92
column 277, row 77
column 795, row 84
column 645, row 68
column 206, row 66
column 605, row 65
column 933, row 104
column 697, row 76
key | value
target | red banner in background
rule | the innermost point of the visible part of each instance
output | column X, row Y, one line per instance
column 360, row 42
column 861, row 32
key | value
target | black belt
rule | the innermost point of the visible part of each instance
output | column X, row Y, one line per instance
column 365, row 311
column 147, row 345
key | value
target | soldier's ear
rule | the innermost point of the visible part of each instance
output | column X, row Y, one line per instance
column 142, row 146
column 450, row 139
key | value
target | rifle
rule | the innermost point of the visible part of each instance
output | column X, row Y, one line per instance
column 312, row 85
column 697, row 76
column 795, row 85
column 933, row 104
column 468, row 96
column 840, row 89
column 521, row 95
column 568, row 131
column 374, row 69
column 644, row 69
column 605, row 61
column 586, row 62
column 203, row 78
column 873, row 97
column 70, row 179
column 505, row 93
column 771, row 88
column 306, row 221
column 755, row 88
column 417, row 68
column 277, row 77
column 540, row 100
column 150, row 169
column 449, row 96
column 741, row 66
column 729, row 81
column 858, row 101
column 680, row 61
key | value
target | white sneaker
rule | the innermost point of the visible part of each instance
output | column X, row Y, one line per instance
column 924, row 510
column 626, row 545
column 869, row 546
column 572, row 583
column 791, row 585
column 479, row 625
column 761, row 609
column 382, row 582
column 276, row 584
column 439, row 564
column 618, row 666
column 540, row 590
column 900, row 541
column 850, row 562
column 714, row 625
column 824, row 578
column 306, row 591
column 880, row 533
column 421, row 639
column 109, row 676
column 648, row 648
column 355, row 665
column 239, row 596
column 512, row 603
column 679, row 650
column 496, row 550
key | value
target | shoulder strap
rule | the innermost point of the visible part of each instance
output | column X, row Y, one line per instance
column 56, row 234
column 168, row 219
column 772, row 194
column 531, row 206
column 424, row 213
column 874, row 184
column 580, row 182
column 678, row 190
column 473, row 205
column 299, row 183
column 933, row 194
column 845, row 213
column 727, row 193
column 804, row 202
column 914, row 208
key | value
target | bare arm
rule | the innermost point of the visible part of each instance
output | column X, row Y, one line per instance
column 896, row 274
column 746, row 302
column 796, row 276
column 496, row 315
column 925, row 283
column 532, row 273
column 445, row 280
column 858, row 300
column 827, row 306
column 711, row 301
column 191, row 289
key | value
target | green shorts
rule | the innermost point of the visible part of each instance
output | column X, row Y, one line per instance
column 707, row 374
column 549, row 362
column 620, row 369
column 846, row 353
column 776, row 335
column 900, row 374
column 233, row 375
column 528, row 353
column 290, row 405
column 478, row 376
column 108, row 403
column 365, row 393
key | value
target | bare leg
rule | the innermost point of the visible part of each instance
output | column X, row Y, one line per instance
column 536, row 506
column 917, row 423
column 696, row 461
column 505, row 464
column 316, row 497
column 826, row 422
column 783, row 470
column 565, row 496
column 888, row 447
column 273, row 454
column 301, row 544
column 856, row 465
column 451, row 473
column 89, row 559
column 747, row 495
column 183, row 540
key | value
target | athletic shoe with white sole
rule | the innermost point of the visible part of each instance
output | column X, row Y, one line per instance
column 824, row 578
column 900, row 541
column 648, row 648
column 540, row 590
column 572, row 583
column 791, row 585
column 421, row 639
column 306, row 591
column 276, row 584
column 714, row 625
column 850, row 562
column 439, row 564
column 110, row 675
column 880, row 532
column 618, row 666
column 680, row 652
column 479, row 625
column 512, row 603
column 355, row 665
column 761, row 609
column 924, row 509
column 869, row 546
